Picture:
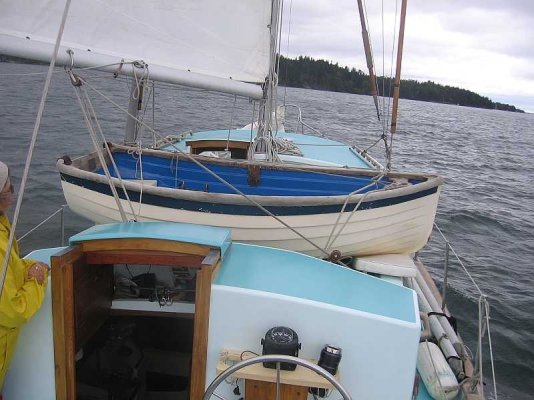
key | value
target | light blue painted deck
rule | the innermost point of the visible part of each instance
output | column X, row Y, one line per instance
column 245, row 266
column 44, row 255
column 293, row 274
column 31, row 374
column 311, row 146
column 179, row 232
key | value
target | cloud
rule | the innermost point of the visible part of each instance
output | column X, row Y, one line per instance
column 480, row 45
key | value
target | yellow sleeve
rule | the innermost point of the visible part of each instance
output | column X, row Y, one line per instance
column 17, row 306
column 28, row 262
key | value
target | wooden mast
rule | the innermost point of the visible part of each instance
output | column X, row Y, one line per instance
column 396, row 85
column 369, row 57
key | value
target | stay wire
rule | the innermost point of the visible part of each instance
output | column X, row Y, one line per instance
column 32, row 146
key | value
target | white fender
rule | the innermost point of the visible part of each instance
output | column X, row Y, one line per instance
column 436, row 373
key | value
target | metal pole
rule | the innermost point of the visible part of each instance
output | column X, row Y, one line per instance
column 446, row 272
column 62, row 219
column 278, row 380
column 396, row 85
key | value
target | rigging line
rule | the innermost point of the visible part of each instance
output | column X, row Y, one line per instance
column 460, row 261
column 42, row 223
column 140, row 161
column 492, row 363
column 389, row 150
column 384, row 127
column 59, row 71
column 29, row 74
column 287, row 48
column 143, row 82
column 331, row 243
column 149, row 89
column 252, row 123
column 32, row 146
column 371, row 46
column 93, row 117
column 193, row 159
column 392, row 58
column 99, row 154
column 153, row 93
column 479, row 355
column 231, row 123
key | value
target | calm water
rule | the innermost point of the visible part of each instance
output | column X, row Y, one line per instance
column 486, row 208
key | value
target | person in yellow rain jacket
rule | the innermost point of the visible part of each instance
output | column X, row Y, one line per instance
column 24, row 286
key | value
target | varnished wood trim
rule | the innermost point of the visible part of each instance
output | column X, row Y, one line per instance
column 215, row 271
column 144, row 257
column 260, row 390
column 212, row 257
column 230, row 144
column 66, row 255
column 63, row 322
column 145, row 244
column 200, row 338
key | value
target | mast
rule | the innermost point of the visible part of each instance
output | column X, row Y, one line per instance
column 135, row 105
column 369, row 57
column 396, row 85
column 268, row 103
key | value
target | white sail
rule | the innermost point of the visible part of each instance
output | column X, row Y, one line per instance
column 211, row 44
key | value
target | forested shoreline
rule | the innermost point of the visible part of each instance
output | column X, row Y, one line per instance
column 306, row 72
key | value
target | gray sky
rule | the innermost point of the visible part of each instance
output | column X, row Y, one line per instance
column 486, row 46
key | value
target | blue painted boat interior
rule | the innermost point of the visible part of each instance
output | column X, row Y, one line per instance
column 293, row 274
column 178, row 232
column 313, row 147
column 188, row 175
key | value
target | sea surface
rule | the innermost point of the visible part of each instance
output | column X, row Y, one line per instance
column 486, row 158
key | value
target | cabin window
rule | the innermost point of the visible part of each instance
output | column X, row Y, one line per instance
column 220, row 148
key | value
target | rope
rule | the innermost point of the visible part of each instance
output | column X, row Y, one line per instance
column 486, row 313
column 483, row 327
column 461, row 263
column 32, row 146
column 330, row 244
column 231, row 124
column 105, row 145
column 137, row 155
column 59, row 210
column 98, row 150
column 287, row 48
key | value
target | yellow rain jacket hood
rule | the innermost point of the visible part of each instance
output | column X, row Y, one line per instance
column 21, row 297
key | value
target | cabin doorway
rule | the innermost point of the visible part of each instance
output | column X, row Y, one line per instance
column 131, row 319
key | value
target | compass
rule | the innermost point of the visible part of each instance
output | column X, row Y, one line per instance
column 281, row 340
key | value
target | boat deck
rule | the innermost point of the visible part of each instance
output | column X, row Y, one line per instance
column 328, row 151
column 43, row 373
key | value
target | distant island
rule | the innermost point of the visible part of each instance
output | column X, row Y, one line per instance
column 306, row 72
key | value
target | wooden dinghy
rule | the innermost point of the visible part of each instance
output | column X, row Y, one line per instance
column 310, row 209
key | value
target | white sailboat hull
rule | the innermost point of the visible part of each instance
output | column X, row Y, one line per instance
column 398, row 228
